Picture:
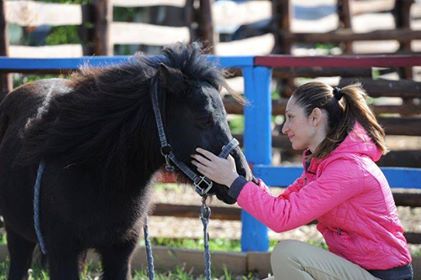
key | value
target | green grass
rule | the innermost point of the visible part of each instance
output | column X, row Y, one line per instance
column 92, row 272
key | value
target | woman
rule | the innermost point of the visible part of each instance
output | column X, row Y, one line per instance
column 341, row 187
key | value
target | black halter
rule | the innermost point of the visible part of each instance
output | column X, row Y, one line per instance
column 201, row 183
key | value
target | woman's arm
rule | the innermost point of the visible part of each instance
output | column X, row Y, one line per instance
column 305, row 204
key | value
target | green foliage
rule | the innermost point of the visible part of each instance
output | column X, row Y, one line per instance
column 236, row 124
column 63, row 35
column 19, row 80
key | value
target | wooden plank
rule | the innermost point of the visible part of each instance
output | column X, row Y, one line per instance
column 148, row 34
column 259, row 263
column 259, row 45
column 409, row 126
column 409, row 199
column 31, row 13
column 372, row 22
column 70, row 50
column 347, row 35
column 372, row 6
column 192, row 211
column 403, row 110
column 316, row 26
column 276, row 61
column 413, row 237
column 416, row 10
column 387, row 88
column 402, row 158
column 166, row 259
column 375, row 47
column 147, row 3
column 227, row 13
column 313, row 72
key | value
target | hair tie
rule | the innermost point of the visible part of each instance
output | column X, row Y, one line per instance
column 337, row 92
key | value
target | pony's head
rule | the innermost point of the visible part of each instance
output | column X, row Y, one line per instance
column 192, row 108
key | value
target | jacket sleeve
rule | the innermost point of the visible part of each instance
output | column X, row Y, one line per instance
column 299, row 206
column 294, row 187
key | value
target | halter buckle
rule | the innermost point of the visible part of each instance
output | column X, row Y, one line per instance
column 168, row 166
column 166, row 150
column 208, row 185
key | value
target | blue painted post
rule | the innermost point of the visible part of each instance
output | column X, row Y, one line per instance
column 257, row 145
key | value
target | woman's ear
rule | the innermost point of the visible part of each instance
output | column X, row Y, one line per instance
column 316, row 117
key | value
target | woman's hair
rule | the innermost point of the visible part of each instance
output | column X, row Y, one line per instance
column 344, row 107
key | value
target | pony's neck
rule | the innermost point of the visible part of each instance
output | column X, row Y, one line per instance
column 140, row 156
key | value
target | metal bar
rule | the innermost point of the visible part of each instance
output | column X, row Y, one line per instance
column 398, row 177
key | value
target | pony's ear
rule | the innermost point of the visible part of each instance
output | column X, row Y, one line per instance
column 171, row 78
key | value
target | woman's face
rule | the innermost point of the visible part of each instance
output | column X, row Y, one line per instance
column 301, row 130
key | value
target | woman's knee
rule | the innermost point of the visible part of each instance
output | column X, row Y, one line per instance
column 285, row 250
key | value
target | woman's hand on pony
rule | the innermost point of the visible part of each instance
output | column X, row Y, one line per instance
column 219, row 170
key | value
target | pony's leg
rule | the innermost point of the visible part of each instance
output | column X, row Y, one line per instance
column 64, row 263
column 116, row 260
column 20, row 251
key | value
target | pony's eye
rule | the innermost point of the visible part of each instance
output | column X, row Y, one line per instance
column 205, row 121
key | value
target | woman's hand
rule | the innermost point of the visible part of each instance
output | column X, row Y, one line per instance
column 219, row 170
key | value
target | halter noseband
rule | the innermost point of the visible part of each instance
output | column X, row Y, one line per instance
column 201, row 183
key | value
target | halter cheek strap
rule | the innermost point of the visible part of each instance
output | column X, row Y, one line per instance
column 201, row 183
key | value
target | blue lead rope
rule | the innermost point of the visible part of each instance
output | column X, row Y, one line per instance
column 37, row 190
column 149, row 255
column 205, row 213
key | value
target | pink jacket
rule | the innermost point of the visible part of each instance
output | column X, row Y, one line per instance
column 349, row 197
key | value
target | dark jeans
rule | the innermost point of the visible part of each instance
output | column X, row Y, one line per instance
column 398, row 273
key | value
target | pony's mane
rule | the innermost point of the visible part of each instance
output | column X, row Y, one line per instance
column 107, row 118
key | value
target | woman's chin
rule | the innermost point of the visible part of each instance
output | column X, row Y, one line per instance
column 297, row 147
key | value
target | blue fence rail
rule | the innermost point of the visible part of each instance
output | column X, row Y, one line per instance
column 257, row 73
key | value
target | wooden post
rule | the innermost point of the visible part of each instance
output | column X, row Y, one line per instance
column 189, row 18
column 344, row 14
column 87, row 29
column 205, row 31
column 402, row 17
column 5, row 79
column 281, row 14
column 103, row 14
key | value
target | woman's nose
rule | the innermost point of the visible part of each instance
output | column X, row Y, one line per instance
column 284, row 129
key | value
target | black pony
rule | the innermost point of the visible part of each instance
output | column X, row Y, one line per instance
column 98, row 138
